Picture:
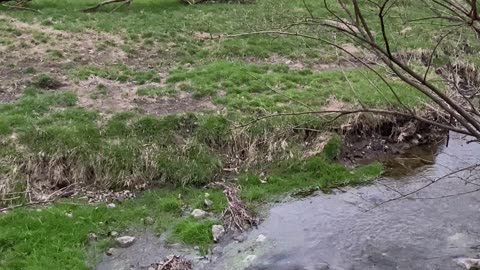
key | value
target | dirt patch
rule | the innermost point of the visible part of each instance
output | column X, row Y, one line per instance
column 36, row 41
column 182, row 102
column 33, row 48
column 109, row 96
column 392, row 137
column 341, row 59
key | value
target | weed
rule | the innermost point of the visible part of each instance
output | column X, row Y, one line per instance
column 155, row 91
column 45, row 81
column 194, row 232
column 120, row 73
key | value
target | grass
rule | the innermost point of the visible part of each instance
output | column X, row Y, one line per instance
column 120, row 73
column 46, row 238
column 47, row 134
column 252, row 88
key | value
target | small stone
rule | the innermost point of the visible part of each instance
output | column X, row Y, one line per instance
column 125, row 241
column 196, row 247
column 198, row 213
column 149, row 221
column 114, row 234
column 69, row 215
column 111, row 205
column 217, row 232
column 218, row 251
column 261, row 238
column 208, row 203
column 110, row 251
column 249, row 259
column 322, row 266
column 91, row 237
column 240, row 238
column 468, row 263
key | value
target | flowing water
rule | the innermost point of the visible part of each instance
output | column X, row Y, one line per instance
column 355, row 229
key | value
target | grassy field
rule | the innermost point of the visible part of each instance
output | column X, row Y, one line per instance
column 154, row 96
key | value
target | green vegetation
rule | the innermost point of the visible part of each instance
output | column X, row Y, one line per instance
column 120, row 73
column 47, row 136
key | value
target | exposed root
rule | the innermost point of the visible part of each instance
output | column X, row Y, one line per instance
column 236, row 216
column 173, row 262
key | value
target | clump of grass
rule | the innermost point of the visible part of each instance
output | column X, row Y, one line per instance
column 194, row 232
column 318, row 172
column 155, row 91
column 120, row 73
column 46, row 81
column 100, row 91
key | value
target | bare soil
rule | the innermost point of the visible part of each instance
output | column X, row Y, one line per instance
column 27, row 52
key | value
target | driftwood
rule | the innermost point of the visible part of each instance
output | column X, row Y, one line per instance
column 173, row 262
column 236, row 216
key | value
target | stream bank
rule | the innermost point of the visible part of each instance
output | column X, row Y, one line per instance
column 367, row 227
column 354, row 228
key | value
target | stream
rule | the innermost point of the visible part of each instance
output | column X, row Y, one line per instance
column 354, row 228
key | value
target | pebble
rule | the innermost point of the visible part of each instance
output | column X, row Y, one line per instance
column 111, row 205
column 240, row 238
column 198, row 213
column 114, row 234
column 91, row 237
column 261, row 238
column 217, row 232
column 208, row 203
column 125, row 241
column 149, row 221
column 249, row 259
column 110, row 251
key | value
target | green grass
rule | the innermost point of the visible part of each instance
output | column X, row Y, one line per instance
column 46, row 238
column 120, row 73
column 252, row 88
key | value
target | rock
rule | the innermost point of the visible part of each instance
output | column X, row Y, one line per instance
column 198, row 213
column 322, row 266
column 217, row 232
column 217, row 251
column 110, row 251
column 249, row 259
column 114, row 234
column 261, row 238
column 149, row 221
column 208, row 203
column 405, row 31
column 125, row 241
column 69, row 215
column 111, row 205
column 91, row 237
column 240, row 238
column 468, row 263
